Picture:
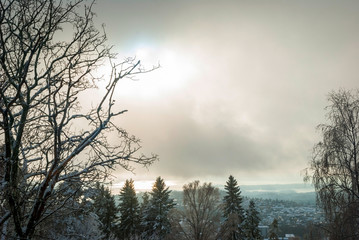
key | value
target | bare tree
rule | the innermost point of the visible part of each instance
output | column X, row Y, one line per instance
column 314, row 231
column 3, row 210
column 201, row 211
column 334, row 169
column 48, row 137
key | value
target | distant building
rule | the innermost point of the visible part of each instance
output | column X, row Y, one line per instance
column 264, row 231
column 280, row 238
column 291, row 237
column 287, row 237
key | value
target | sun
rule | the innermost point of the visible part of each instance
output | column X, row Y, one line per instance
column 176, row 70
column 144, row 53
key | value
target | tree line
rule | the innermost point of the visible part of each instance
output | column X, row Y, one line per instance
column 95, row 213
column 201, row 216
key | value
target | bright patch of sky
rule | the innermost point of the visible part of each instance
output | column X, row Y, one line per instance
column 241, row 87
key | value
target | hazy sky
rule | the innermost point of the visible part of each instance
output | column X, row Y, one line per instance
column 242, row 84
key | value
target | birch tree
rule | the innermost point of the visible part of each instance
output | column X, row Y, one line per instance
column 334, row 168
column 201, row 213
column 48, row 137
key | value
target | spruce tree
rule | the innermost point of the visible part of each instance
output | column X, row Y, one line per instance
column 129, row 209
column 156, row 222
column 144, row 208
column 233, row 212
column 105, row 208
column 251, row 222
column 273, row 230
column 145, row 202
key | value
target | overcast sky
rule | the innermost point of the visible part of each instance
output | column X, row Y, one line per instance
column 242, row 84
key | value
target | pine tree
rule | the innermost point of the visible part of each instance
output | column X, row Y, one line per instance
column 129, row 209
column 233, row 212
column 105, row 208
column 156, row 222
column 251, row 222
column 273, row 230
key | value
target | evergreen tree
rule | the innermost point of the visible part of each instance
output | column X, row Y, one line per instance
column 156, row 222
column 145, row 202
column 273, row 230
column 233, row 212
column 105, row 208
column 251, row 222
column 76, row 218
column 144, row 211
column 129, row 208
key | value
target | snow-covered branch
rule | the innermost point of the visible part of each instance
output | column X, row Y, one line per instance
column 49, row 138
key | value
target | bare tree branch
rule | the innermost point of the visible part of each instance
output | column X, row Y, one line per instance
column 48, row 137
column 334, row 169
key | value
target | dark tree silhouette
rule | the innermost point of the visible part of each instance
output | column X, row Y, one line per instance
column 233, row 212
column 48, row 137
column 156, row 216
column 274, row 230
column 130, row 212
column 251, row 222
column 104, row 205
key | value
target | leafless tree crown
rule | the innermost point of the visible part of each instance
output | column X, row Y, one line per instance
column 334, row 168
column 201, row 211
column 48, row 137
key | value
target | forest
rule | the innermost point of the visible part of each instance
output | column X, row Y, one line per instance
column 95, row 214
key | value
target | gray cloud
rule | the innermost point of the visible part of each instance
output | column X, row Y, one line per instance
column 262, row 70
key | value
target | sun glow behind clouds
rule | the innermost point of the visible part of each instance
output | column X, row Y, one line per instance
column 176, row 69
column 142, row 186
column 174, row 72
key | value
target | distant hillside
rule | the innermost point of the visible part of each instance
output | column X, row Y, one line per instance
column 305, row 198
column 300, row 193
column 298, row 188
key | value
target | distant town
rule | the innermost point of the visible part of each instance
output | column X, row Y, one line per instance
column 293, row 205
